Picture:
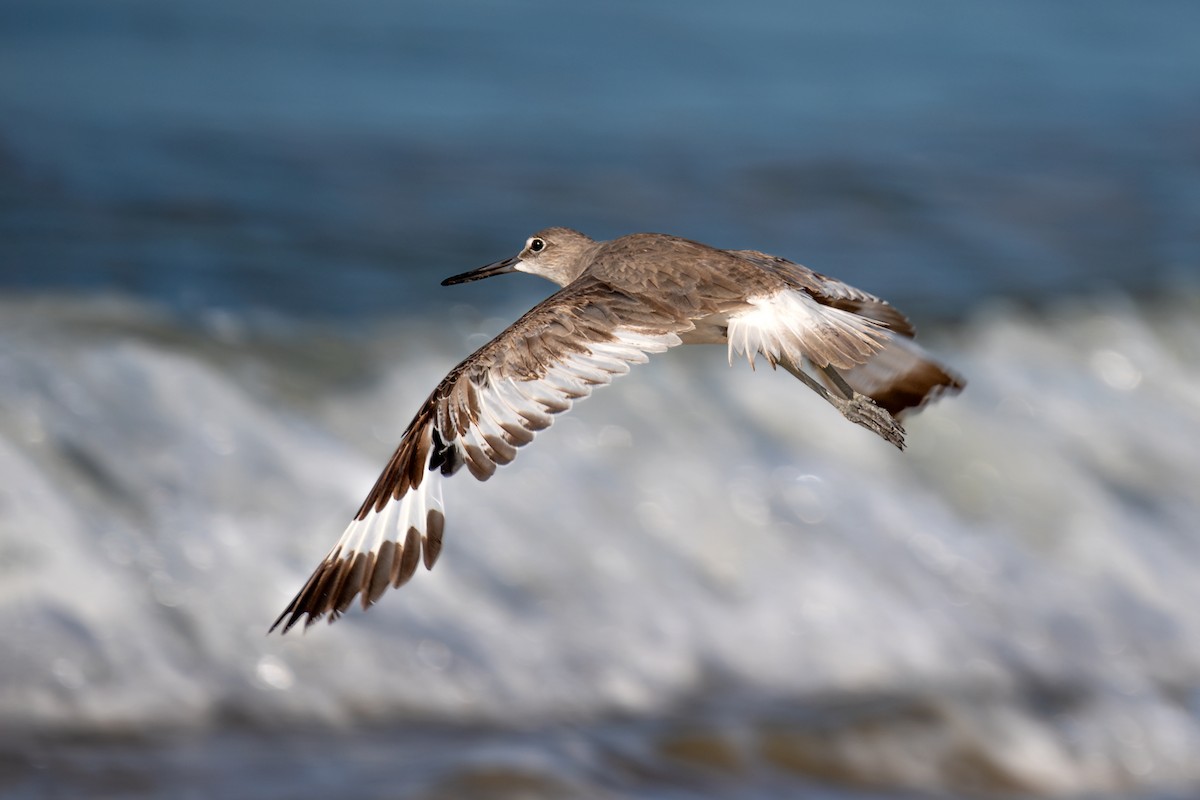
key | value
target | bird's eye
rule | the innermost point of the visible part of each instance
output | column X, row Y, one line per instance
column 536, row 245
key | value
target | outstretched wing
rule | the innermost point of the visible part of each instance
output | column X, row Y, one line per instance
column 488, row 406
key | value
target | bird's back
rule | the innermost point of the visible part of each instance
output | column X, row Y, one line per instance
column 691, row 278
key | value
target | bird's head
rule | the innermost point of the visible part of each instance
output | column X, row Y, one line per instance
column 556, row 254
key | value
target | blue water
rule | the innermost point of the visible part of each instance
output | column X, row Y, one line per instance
column 322, row 159
column 222, row 228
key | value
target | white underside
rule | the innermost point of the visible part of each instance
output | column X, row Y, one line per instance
column 792, row 326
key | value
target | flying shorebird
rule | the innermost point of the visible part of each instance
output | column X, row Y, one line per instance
column 621, row 301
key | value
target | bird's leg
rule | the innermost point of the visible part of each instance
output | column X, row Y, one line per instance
column 858, row 408
column 862, row 410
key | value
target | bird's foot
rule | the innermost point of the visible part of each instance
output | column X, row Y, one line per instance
column 863, row 411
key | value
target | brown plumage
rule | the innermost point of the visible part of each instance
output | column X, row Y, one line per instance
column 621, row 301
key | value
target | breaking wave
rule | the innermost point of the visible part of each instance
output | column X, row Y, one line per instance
column 692, row 540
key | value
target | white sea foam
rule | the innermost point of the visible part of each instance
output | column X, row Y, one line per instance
column 695, row 527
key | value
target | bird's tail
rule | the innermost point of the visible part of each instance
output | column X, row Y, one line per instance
column 901, row 378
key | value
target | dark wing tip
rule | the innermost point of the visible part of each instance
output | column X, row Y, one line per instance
column 340, row 578
column 313, row 600
column 330, row 589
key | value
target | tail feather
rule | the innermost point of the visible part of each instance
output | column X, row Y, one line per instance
column 902, row 378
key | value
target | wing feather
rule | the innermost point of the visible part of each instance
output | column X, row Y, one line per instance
column 478, row 416
column 832, row 292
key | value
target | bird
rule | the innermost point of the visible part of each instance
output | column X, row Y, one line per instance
column 619, row 302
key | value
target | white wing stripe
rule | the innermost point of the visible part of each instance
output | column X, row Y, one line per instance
column 391, row 524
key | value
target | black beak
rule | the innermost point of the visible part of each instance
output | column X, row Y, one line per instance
column 499, row 268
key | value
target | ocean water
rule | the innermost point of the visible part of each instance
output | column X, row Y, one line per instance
column 221, row 232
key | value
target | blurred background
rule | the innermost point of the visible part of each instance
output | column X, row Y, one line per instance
column 222, row 227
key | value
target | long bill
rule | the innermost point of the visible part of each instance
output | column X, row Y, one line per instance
column 498, row 268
